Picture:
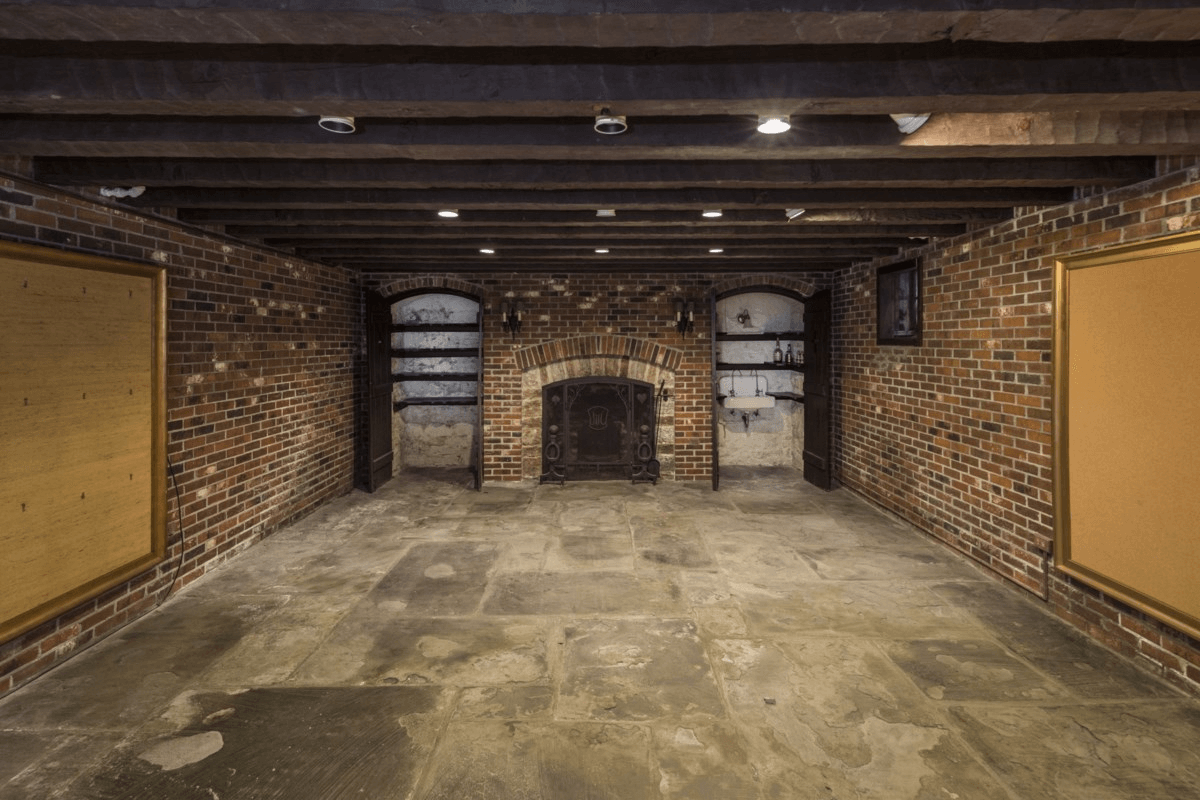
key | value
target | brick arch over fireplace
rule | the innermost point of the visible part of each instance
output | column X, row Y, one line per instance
column 802, row 287
column 589, row 357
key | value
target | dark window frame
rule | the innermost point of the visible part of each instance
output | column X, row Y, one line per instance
column 898, row 304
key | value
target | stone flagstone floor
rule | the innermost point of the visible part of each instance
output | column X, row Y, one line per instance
column 593, row 641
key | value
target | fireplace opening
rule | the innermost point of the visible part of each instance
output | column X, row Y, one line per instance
column 599, row 429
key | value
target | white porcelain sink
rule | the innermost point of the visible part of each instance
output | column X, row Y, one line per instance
column 750, row 402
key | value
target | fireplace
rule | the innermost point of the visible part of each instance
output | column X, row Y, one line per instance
column 599, row 429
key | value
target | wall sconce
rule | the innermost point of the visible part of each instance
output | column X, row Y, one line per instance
column 510, row 316
column 685, row 315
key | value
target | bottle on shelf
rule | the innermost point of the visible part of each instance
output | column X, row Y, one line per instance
column 788, row 357
column 778, row 353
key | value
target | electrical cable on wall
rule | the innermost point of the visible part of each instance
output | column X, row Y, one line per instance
column 182, row 537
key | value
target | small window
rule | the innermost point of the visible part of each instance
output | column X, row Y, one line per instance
column 898, row 289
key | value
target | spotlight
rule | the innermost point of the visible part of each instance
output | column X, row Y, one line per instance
column 606, row 212
column 610, row 124
column 487, row 251
column 773, row 124
column 448, row 213
column 907, row 123
column 337, row 124
column 711, row 213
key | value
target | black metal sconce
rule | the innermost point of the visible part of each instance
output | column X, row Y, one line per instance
column 685, row 315
column 510, row 316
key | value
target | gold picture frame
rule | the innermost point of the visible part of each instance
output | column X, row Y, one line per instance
column 83, row 411
column 1126, row 443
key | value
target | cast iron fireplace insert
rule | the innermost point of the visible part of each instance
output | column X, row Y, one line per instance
column 598, row 429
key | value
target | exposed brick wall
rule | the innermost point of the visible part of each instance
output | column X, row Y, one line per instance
column 955, row 435
column 261, row 395
column 568, row 306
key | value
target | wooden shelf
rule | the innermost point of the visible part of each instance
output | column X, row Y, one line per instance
column 434, row 376
column 434, row 352
column 766, row 365
column 434, row 401
column 783, row 336
column 456, row 327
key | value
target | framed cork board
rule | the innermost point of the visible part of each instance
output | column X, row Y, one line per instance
column 82, row 414
column 1127, row 425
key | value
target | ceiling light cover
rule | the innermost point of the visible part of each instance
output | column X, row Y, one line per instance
column 487, row 251
column 606, row 212
column 337, row 124
column 610, row 124
column 448, row 213
column 715, row 250
column 792, row 213
column 711, row 213
column 907, row 123
column 601, row 250
column 773, row 124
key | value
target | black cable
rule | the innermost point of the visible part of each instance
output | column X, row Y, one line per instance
column 182, row 537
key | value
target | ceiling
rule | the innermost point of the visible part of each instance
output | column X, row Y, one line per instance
column 488, row 107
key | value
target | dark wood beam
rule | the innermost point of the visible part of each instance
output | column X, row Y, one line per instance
column 712, row 265
column 780, row 230
column 591, row 23
column 304, row 217
column 169, row 197
column 818, row 137
column 286, row 173
column 861, row 79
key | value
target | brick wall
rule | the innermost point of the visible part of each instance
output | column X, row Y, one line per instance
column 955, row 435
column 261, row 358
column 616, row 306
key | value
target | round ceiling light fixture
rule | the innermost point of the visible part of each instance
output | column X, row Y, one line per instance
column 908, row 123
column 711, row 213
column 449, row 213
column 606, row 212
column 610, row 124
column 773, row 123
column 337, row 124
column 601, row 250
column 716, row 250
column 487, row 251
column 793, row 213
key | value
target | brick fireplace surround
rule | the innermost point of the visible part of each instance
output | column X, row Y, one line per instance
column 264, row 353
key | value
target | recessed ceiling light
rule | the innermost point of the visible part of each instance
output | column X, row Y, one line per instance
column 601, row 250
column 773, row 124
column 606, row 212
column 609, row 123
column 337, row 124
column 907, row 123
column 448, row 213
column 716, row 250
column 487, row 251
column 711, row 213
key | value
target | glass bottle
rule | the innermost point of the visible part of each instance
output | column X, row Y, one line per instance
column 778, row 353
column 788, row 357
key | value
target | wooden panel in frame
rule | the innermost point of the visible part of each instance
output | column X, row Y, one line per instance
column 1126, row 439
column 83, row 416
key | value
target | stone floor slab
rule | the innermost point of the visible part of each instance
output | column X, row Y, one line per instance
column 635, row 670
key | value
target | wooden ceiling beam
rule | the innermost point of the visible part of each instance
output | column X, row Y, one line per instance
column 879, row 79
column 305, row 217
column 1090, row 134
column 592, row 23
column 841, row 173
column 995, row 197
column 779, row 231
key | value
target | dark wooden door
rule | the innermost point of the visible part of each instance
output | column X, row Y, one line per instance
column 817, row 390
column 379, row 391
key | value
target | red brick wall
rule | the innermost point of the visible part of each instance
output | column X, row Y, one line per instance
column 260, row 393
column 955, row 436
column 562, row 306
